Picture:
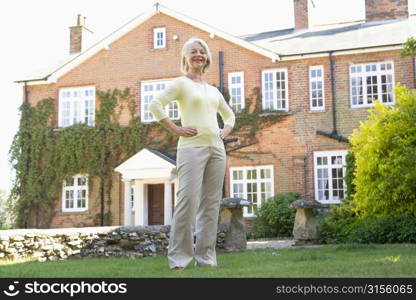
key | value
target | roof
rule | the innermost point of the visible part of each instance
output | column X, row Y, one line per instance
column 75, row 60
column 336, row 37
column 148, row 164
column 277, row 45
column 166, row 156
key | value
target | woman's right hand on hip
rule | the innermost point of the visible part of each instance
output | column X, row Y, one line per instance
column 186, row 131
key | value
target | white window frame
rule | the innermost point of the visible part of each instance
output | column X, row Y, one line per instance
column 277, row 103
column 378, row 72
column 328, row 154
column 244, row 181
column 240, row 86
column 75, row 98
column 316, row 80
column 145, row 115
column 75, row 188
column 156, row 39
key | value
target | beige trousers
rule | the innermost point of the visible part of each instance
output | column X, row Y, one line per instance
column 201, row 173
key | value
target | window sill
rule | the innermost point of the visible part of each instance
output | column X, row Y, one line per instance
column 317, row 111
column 58, row 129
column 370, row 106
column 159, row 49
column 65, row 213
column 275, row 113
column 329, row 202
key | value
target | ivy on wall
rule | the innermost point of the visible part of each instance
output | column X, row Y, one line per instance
column 43, row 156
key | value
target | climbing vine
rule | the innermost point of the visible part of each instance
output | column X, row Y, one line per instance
column 43, row 156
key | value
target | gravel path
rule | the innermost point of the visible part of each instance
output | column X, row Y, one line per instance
column 277, row 244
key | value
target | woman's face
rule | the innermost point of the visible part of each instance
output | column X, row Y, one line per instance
column 196, row 57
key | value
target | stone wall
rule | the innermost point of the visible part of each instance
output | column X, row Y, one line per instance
column 111, row 241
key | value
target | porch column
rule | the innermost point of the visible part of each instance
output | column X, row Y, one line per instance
column 127, row 199
column 139, row 207
column 168, row 203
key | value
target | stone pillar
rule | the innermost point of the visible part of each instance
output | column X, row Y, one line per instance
column 168, row 203
column 138, row 187
column 127, row 199
column 140, row 217
column 306, row 222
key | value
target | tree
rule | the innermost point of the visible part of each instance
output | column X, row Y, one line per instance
column 409, row 47
column 5, row 215
column 384, row 147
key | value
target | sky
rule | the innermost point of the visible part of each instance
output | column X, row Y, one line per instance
column 35, row 32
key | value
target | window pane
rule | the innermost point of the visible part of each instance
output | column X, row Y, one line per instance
column 82, row 181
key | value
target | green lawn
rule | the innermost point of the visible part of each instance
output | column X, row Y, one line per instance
column 328, row 261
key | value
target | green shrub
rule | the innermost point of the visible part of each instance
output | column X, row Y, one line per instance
column 379, row 230
column 349, row 175
column 274, row 218
column 384, row 148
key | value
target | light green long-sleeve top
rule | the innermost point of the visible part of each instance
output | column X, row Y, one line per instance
column 198, row 107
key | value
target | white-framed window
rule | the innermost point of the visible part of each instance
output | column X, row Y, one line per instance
column 75, row 194
column 316, row 88
column 329, row 169
column 76, row 105
column 275, row 89
column 255, row 184
column 159, row 38
column 149, row 90
column 371, row 81
column 236, row 90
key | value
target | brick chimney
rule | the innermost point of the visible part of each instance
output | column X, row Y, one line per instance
column 78, row 36
column 377, row 10
column 300, row 8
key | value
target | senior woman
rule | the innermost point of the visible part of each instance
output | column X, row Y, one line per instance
column 200, row 157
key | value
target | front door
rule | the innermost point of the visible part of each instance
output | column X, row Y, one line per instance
column 156, row 204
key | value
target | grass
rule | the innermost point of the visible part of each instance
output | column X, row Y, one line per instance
column 395, row 260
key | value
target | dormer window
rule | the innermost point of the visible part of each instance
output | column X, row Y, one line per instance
column 159, row 38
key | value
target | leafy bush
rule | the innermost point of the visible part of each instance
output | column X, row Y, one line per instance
column 385, row 151
column 274, row 218
column 349, row 175
column 379, row 230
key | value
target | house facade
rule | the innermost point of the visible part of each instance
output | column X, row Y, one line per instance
column 323, row 79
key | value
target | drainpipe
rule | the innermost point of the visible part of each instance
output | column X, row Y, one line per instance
column 26, row 92
column 334, row 108
column 221, row 70
column 414, row 71
column 334, row 133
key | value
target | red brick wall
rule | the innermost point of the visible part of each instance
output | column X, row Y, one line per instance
column 287, row 145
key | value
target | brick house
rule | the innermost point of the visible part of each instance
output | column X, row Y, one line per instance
column 324, row 78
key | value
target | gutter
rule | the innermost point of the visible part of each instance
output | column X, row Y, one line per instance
column 35, row 79
column 26, row 92
column 339, row 50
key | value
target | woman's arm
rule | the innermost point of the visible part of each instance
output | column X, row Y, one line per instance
column 173, row 128
column 157, row 106
column 227, row 116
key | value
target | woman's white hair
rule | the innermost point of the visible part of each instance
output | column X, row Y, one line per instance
column 185, row 50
